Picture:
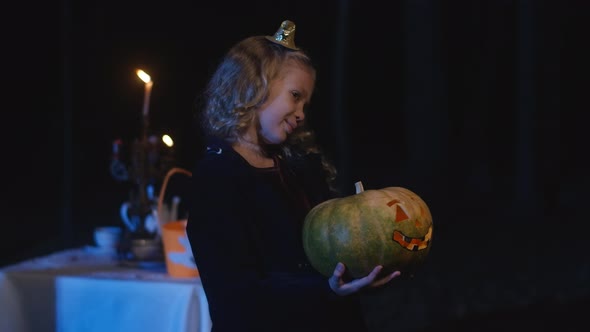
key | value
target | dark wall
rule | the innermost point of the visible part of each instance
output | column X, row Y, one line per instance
column 33, row 127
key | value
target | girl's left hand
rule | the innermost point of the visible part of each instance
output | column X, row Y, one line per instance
column 342, row 288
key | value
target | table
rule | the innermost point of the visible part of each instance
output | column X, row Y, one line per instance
column 84, row 289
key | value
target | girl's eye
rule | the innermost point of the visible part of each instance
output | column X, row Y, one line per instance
column 296, row 95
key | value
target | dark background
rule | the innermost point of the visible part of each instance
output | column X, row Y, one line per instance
column 480, row 107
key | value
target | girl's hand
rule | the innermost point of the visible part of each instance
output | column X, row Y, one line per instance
column 342, row 288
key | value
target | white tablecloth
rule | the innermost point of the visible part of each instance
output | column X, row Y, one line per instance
column 80, row 290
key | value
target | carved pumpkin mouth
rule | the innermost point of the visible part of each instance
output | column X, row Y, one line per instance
column 413, row 243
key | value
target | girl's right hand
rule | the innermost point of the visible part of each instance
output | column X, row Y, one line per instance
column 342, row 288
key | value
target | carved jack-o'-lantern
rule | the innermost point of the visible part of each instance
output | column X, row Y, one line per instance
column 390, row 227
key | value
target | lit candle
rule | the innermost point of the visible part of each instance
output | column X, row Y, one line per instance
column 148, row 90
column 167, row 140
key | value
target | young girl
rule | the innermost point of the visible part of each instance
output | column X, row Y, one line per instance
column 252, row 189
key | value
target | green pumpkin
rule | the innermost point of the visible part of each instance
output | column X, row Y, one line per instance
column 390, row 227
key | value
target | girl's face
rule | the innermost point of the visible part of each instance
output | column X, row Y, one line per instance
column 283, row 111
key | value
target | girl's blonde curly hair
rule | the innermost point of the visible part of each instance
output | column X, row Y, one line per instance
column 241, row 84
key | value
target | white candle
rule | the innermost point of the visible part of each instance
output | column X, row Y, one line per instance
column 148, row 90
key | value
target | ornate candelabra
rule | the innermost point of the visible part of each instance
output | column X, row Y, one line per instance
column 150, row 159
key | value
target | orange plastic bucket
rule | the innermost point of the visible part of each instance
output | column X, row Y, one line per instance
column 180, row 262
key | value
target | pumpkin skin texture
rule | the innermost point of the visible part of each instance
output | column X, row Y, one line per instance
column 391, row 227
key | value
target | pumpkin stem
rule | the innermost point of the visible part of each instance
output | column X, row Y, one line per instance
column 359, row 187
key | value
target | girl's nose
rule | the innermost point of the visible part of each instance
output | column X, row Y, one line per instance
column 300, row 115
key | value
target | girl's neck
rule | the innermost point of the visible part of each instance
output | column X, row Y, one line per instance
column 253, row 152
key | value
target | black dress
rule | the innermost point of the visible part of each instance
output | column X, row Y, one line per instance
column 245, row 232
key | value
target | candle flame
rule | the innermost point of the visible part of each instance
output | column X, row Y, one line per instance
column 143, row 76
column 167, row 140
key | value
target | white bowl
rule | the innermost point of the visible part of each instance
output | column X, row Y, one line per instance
column 107, row 236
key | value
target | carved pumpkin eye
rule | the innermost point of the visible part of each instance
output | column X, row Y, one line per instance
column 400, row 214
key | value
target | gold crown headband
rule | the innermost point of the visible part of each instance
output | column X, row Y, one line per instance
column 285, row 35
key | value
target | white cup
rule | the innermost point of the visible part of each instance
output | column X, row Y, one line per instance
column 107, row 237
